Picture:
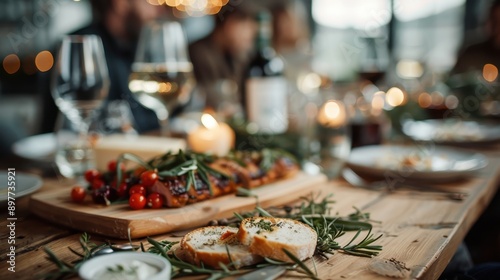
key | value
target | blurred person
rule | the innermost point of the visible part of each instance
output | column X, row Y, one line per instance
column 290, row 27
column 474, row 57
column 118, row 23
column 225, row 52
column 472, row 63
column 291, row 38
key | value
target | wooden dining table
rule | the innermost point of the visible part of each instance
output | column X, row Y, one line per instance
column 421, row 230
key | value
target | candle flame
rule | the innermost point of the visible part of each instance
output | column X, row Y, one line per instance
column 332, row 110
column 332, row 114
column 208, row 121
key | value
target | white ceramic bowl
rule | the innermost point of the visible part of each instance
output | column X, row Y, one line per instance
column 90, row 268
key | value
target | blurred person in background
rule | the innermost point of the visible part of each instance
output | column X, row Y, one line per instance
column 224, row 53
column 118, row 23
column 290, row 27
column 475, row 74
column 474, row 57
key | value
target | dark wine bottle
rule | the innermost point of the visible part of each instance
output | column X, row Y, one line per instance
column 266, row 87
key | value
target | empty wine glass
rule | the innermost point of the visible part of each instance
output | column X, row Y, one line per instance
column 162, row 73
column 80, row 84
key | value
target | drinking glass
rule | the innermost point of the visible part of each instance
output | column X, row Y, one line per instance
column 79, row 85
column 162, row 73
column 374, row 59
column 326, row 141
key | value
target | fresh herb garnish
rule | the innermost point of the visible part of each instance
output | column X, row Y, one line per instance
column 120, row 269
column 68, row 270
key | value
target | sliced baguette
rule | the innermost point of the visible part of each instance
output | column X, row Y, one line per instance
column 207, row 246
column 268, row 237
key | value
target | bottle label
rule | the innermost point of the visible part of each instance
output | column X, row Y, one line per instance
column 267, row 104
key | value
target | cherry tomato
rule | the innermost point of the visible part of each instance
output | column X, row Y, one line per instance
column 122, row 189
column 78, row 194
column 137, row 201
column 140, row 189
column 97, row 184
column 155, row 200
column 138, row 171
column 149, row 178
column 91, row 175
column 112, row 166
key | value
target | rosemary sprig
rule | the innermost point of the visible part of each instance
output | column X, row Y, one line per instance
column 131, row 157
column 69, row 270
column 302, row 265
column 365, row 247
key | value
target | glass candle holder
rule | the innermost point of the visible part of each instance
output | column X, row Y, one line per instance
column 328, row 142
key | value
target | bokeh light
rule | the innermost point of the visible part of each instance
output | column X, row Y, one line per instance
column 378, row 100
column 332, row 114
column 194, row 8
column 11, row 63
column 44, row 61
column 451, row 102
column 309, row 83
column 490, row 72
column 437, row 98
column 424, row 100
column 395, row 97
column 409, row 69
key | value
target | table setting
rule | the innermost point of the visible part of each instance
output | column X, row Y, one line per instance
column 354, row 190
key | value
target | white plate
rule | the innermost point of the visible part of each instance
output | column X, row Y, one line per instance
column 435, row 163
column 24, row 184
column 38, row 147
column 452, row 131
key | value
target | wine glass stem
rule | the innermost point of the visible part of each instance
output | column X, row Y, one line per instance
column 86, row 146
column 164, row 127
column 162, row 114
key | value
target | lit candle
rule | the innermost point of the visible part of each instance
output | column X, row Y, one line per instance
column 332, row 114
column 211, row 137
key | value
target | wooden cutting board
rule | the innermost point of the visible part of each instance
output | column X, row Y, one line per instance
column 116, row 220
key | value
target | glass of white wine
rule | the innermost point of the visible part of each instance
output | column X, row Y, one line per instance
column 80, row 84
column 162, row 74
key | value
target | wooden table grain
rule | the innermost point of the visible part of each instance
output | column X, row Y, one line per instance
column 421, row 231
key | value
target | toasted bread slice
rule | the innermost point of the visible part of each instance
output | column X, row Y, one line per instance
column 268, row 237
column 207, row 246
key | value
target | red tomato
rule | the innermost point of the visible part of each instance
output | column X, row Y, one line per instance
column 78, row 194
column 140, row 189
column 91, row 175
column 155, row 201
column 112, row 166
column 138, row 171
column 137, row 201
column 97, row 184
column 122, row 190
column 149, row 178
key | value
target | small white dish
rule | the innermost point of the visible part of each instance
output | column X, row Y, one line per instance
column 91, row 269
column 436, row 163
column 24, row 184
